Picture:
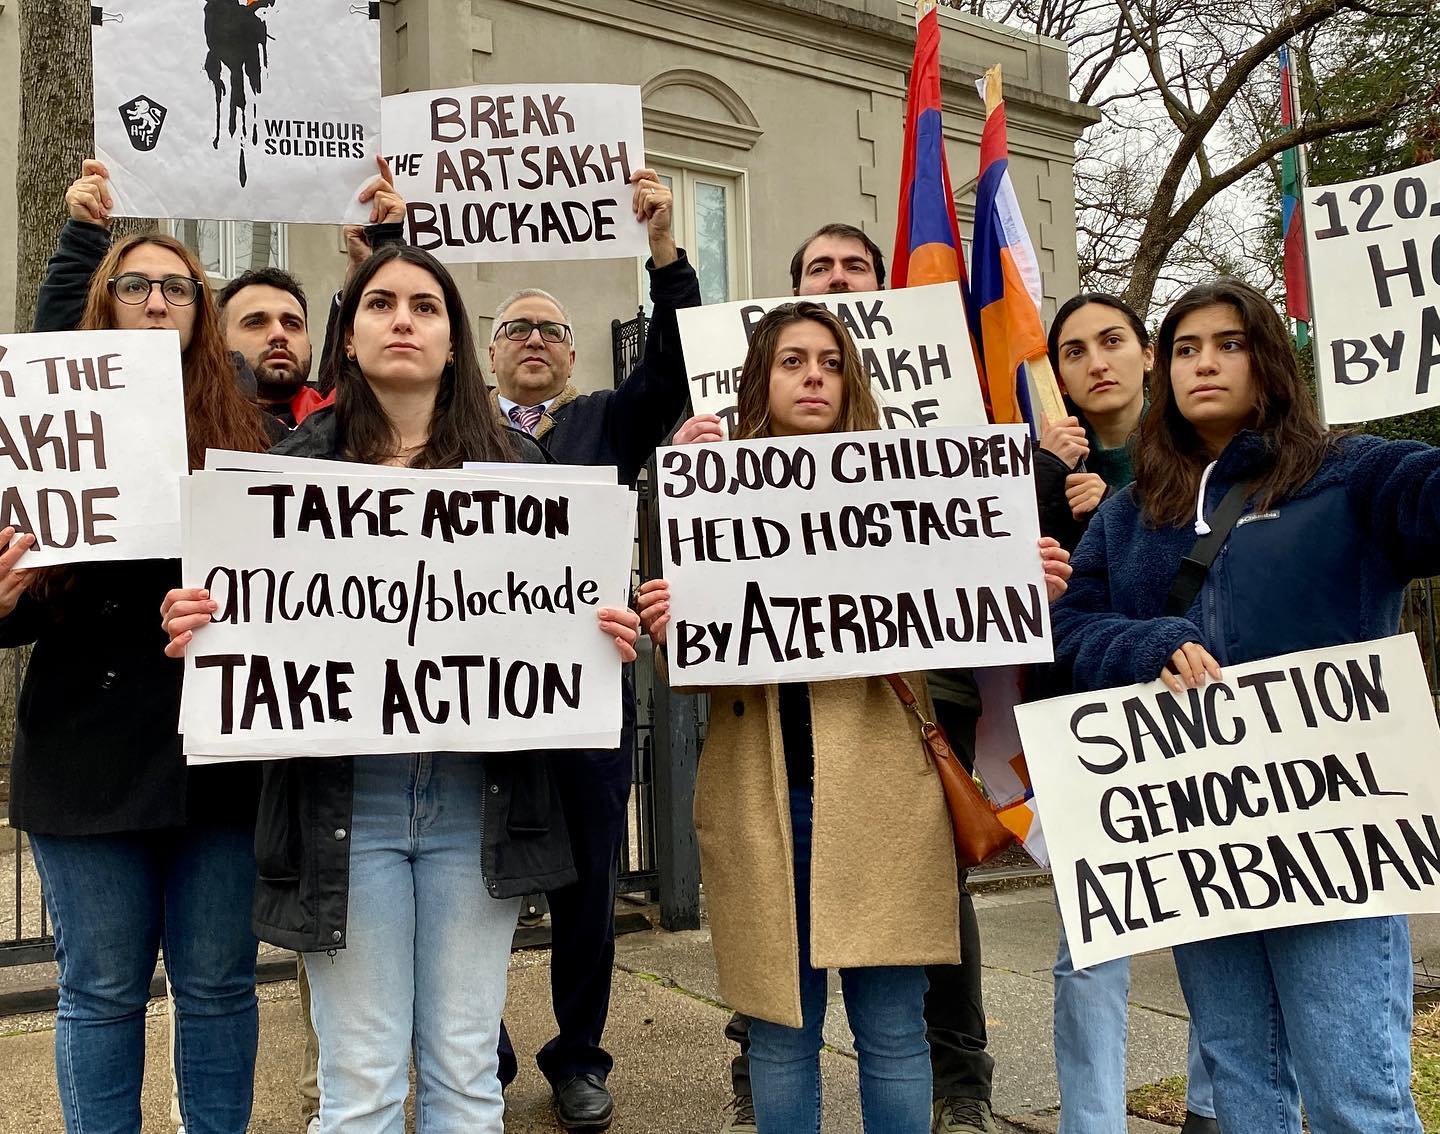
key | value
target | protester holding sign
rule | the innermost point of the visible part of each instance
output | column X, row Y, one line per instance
column 532, row 355
column 134, row 849
column 1334, row 529
column 847, row 757
column 1101, row 352
column 399, row 877
column 840, row 259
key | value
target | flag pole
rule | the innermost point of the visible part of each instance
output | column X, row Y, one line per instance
column 1303, row 174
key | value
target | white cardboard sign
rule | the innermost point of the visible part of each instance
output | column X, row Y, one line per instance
column 92, row 444
column 851, row 555
column 528, row 172
column 372, row 614
column 1374, row 250
column 1299, row 789
column 266, row 111
column 914, row 343
column 472, row 470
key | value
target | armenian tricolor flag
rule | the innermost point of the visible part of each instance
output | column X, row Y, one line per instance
column 927, row 237
column 1297, row 293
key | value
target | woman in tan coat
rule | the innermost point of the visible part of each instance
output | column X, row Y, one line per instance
column 819, row 814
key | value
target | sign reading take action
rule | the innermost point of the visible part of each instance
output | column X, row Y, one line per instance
column 365, row 613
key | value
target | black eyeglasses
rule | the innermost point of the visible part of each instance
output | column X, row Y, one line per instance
column 518, row 330
column 134, row 288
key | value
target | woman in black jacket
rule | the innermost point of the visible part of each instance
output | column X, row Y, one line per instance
column 134, row 850
column 399, row 877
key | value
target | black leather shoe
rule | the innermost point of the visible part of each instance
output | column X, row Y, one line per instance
column 1199, row 1124
column 584, row 1103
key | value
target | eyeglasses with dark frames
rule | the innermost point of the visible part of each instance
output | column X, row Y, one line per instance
column 518, row 330
column 134, row 288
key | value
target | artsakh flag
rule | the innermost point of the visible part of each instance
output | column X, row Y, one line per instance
column 1297, row 293
column 1007, row 288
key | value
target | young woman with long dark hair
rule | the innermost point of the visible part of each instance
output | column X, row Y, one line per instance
column 1336, row 527
column 792, row 875
column 135, row 852
column 399, row 877
column 1102, row 354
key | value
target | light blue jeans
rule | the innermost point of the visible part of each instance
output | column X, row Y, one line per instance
column 426, row 958
column 886, row 1010
column 1091, row 1022
column 1314, row 1011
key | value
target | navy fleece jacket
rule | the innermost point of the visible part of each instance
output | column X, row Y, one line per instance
column 1327, row 566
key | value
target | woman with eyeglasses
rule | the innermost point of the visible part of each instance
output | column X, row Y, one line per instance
column 136, row 852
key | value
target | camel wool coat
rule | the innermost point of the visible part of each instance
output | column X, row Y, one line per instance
column 884, row 884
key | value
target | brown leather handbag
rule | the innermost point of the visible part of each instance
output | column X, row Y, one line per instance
column 979, row 835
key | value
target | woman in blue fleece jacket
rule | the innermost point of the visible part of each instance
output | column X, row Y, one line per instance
column 1336, row 526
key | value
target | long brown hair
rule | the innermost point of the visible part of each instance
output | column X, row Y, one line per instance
column 1170, row 457
column 857, row 409
column 465, row 425
column 217, row 413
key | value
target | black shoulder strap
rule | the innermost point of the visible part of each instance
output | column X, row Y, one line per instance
column 1196, row 565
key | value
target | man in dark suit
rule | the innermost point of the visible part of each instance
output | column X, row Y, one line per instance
column 532, row 355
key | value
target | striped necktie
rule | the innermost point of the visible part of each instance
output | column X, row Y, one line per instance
column 527, row 417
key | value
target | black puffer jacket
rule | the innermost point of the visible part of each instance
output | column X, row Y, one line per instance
column 302, row 834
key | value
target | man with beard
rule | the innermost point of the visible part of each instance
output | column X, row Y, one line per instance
column 835, row 259
column 265, row 317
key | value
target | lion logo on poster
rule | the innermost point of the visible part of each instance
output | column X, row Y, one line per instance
column 143, row 117
column 236, row 59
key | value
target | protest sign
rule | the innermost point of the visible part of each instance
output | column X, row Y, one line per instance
column 528, row 172
column 1374, row 249
column 913, row 342
column 472, row 470
column 1298, row 789
column 92, row 444
column 470, row 627
column 266, row 111
column 851, row 554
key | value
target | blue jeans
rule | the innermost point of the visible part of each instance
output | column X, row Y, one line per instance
column 426, row 957
column 1091, row 1025
column 114, row 901
column 886, row 1009
column 1314, row 1011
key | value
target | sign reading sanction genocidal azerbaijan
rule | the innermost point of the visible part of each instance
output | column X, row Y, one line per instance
column 1298, row 789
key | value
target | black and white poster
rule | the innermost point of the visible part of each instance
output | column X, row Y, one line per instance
column 914, row 345
column 1297, row 789
column 264, row 110
column 851, row 555
column 527, row 172
column 92, row 444
column 1374, row 249
column 361, row 612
